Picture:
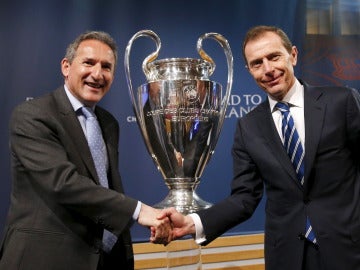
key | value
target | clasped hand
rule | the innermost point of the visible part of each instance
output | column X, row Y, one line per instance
column 165, row 225
column 170, row 225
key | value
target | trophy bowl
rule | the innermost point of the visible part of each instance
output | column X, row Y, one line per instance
column 180, row 113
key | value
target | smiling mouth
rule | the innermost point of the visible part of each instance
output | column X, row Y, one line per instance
column 94, row 85
column 273, row 80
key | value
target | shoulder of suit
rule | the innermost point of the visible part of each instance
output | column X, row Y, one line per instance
column 328, row 89
column 43, row 106
column 35, row 103
column 260, row 108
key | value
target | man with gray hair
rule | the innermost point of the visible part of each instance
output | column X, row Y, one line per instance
column 68, row 209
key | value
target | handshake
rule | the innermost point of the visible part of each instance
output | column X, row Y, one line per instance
column 165, row 225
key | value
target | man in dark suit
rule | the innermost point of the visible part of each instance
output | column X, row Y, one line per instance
column 59, row 211
column 327, row 120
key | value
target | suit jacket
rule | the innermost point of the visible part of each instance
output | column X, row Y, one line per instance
column 58, row 209
column 330, row 195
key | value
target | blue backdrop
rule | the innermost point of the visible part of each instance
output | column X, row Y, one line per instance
column 34, row 35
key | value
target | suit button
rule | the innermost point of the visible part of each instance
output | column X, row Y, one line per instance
column 100, row 221
column 301, row 236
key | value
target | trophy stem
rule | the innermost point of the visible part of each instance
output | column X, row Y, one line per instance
column 182, row 196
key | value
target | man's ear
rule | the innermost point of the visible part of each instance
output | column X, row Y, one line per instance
column 294, row 54
column 65, row 65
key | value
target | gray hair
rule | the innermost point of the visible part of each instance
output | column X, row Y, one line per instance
column 91, row 35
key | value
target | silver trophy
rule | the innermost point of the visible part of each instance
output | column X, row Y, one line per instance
column 180, row 113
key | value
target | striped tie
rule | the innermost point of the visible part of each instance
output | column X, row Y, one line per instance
column 98, row 152
column 296, row 153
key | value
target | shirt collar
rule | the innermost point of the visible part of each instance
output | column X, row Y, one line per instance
column 295, row 96
column 76, row 104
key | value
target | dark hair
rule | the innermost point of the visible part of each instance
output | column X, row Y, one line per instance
column 95, row 35
column 258, row 31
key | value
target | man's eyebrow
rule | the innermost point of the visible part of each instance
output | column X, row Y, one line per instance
column 255, row 61
column 272, row 54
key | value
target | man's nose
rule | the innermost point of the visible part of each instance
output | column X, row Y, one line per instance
column 267, row 66
column 97, row 71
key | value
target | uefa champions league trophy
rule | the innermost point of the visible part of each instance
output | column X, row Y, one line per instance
column 180, row 112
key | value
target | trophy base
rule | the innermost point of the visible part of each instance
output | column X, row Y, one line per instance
column 184, row 201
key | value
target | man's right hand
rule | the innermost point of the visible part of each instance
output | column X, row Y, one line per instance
column 161, row 229
column 181, row 225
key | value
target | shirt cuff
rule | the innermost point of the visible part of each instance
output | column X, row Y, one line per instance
column 137, row 211
column 199, row 235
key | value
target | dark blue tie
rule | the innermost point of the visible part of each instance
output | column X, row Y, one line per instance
column 98, row 152
column 296, row 153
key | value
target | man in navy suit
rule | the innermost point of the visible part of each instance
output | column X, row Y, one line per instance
column 59, row 210
column 327, row 120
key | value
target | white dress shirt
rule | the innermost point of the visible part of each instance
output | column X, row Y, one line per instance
column 295, row 99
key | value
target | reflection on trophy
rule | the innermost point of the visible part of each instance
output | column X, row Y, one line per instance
column 180, row 113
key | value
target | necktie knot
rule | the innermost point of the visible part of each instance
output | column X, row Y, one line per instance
column 88, row 112
column 282, row 107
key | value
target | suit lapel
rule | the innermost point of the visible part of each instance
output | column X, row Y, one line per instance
column 269, row 132
column 314, row 112
column 72, row 126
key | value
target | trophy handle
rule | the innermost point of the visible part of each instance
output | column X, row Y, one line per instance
column 147, row 60
column 229, row 58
